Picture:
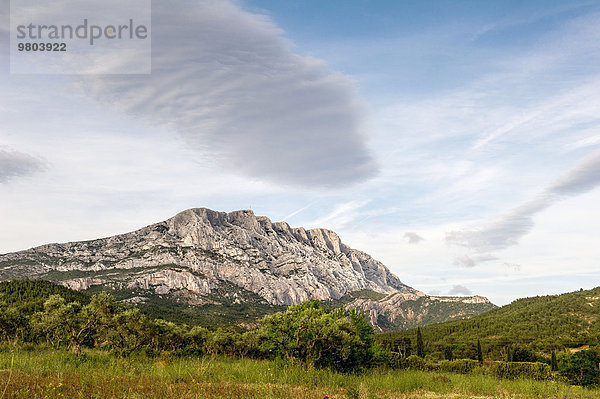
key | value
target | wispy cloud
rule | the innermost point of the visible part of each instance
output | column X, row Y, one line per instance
column 565, row 109
column 228, row 82
column 341, row 215
column 507, row 229
column 15, row 164
column 471, row 261
column 587, row 141
column 297, row 211
column 582, row 178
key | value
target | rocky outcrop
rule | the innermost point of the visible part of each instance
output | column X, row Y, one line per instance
column 407, row 310
column 460, row 299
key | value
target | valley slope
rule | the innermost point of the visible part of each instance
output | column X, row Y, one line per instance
column 542, row 324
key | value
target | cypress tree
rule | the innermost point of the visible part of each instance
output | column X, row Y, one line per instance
column 448, row 352
column 479, row 352
column 420, row 346
column 554, row 362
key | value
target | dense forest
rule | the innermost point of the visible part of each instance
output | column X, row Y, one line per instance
column 524, row 339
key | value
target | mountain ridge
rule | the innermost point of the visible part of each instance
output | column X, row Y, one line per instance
column 205, row 257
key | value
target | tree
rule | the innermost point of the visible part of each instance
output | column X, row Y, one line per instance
column 479, row 352
column 554, row 362
column 448, row 352
column 581, row 368
column 339, row 339
column 129, row 331
column 420, row 346
column 196, row 340
column 396, row 343
column 405, row 347
column 523, row 354
column 53, row 321
column 12, row 323
column 71, row 323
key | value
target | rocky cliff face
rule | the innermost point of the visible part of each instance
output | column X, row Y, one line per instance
column 399, row 311
column 203, row 257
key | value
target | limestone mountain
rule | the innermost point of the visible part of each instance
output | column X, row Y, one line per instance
column 216, row 267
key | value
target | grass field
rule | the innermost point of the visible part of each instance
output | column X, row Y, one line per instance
column 47, row 373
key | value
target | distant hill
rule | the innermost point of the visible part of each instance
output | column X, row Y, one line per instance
column 398, row 311
column 208, row 267
column 542, row 324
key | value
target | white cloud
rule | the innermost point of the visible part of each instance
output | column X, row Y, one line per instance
column 227, row 81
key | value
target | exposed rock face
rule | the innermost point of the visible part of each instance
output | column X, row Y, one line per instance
column 199, row 247
column 199, row 251
column 407, row 310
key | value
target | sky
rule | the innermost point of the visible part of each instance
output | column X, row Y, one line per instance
column 458, row 142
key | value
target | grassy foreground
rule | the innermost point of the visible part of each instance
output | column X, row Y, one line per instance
column 47, row 373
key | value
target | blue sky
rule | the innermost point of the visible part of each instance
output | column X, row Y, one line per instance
column 457, row 142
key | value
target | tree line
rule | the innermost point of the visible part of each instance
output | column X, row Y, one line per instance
column 43, row 313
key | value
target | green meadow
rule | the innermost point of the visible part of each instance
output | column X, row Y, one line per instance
column 44, row 372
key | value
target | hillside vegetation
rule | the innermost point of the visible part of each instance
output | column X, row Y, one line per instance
column 42, row 316
column 540, row 325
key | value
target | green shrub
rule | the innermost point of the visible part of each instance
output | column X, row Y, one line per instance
column 432, row 365
column 581, row 368
column 414, row 362
column 536, row 371
column 461, row 366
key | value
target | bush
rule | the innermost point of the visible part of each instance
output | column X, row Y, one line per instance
column 397, row 361
column 581, row 368
column 432, row 366
column 536, row 371
column 465, row 352
column 461, row 366
column 414, row 362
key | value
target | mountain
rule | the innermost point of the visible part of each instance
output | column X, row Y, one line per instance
column 214, row 267
column 401, row 311
column 541, row 324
